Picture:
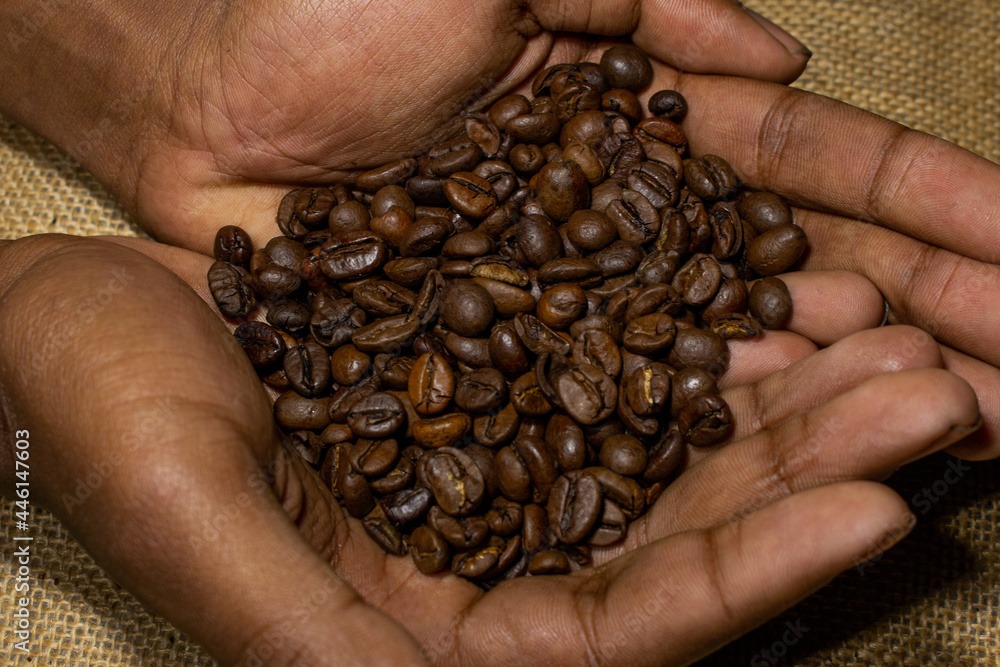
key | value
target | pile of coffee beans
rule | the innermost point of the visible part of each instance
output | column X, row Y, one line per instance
column 496, row 354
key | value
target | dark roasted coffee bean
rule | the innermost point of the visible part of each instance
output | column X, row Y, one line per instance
column 373, row 458
column 286, row 219
column 352, row 255
column 659, row 266
column 771, row 303
column 539, row 337
column 535, row 528
column 635, row 218
column 470, row 194
column 407, row 506
column 497, row 429
column 562, row 188
column 548, row 562
column 668, row 103
column 273, row 282
column 623, row 454
column 312, row 206
column 481, row 391
column 410, row 271
column 462, row 157
column 334, row 322
column 264, row 346
column 393, row 372
column 649, row 334
column 473, row 352
column 233, row 245
column 478, row 562
column 393, row 173
column 385, row 535
column 538, row 239
column 624, row 102
column 348, row 365
column 455, row 480
column 540, row 464
column 776, row 250
column 527, row 397
column 597, row 347
column 735, row 325
column 467, row 308
column 292, row 316
column 561, row 305
column 698, row 280
column 696, row 348
column 655, row 298
column 353, row 490
column 441, row 431
column 711, row 178
column 577, row 270
column 527, row 159
column 295, row 412
column 656, row 183
column 307, row 367
column 504, row 517
column 230, row 287
column 382, row 298
column 587, row 159
column 507, row 352
column 610, row 526
column 376, row 416
column 460, row 532
column 765, row 211
column 619, row 257
column 623, row 491
column 647, row 390
column 430, row 551
column 588, row 393
column 424, row 237
column 727, row 230
column 533, row 128
column 626, row 66
column 731, row 298
column 351, row 216
column 574, row 506
column 565, row 438
column 387, row 334
column 591, row 230
column 665, row 456
column 574, row 99
column 399, row 478
column 431, row 384
column 467, row 244
column 705, row 420
column 512, row 475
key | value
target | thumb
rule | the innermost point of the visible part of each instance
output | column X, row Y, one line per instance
column 155, row 445
column 700, row 36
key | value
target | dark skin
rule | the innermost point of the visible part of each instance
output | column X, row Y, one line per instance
column 210, row 120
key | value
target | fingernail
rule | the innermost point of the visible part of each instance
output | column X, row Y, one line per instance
column 794, row 46
column 954, row 434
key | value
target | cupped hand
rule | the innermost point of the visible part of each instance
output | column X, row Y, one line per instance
column 153, row 441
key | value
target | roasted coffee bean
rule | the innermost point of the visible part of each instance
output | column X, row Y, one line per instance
column 478, row 562
column 711, row 178
column 610, row 527
column 467, row 308
column 424, row 237
column 776, row 250
column 578, row 270
column 460, row 532
column 407, row 506
column 376, row 416
column 286, row 219
column 588, row 393
column 355, row 494
column 698, row 280
column 468, row 244
column 647, row 390
column 507, row 352
column 624, row 102
column 540, row 464
column 431, row 384
column 481, row 391
column 656, row 183
column 233, row 245
column 393, row 173
column 497, row 429
column 655, row 298
column 591, row 230
column 455, row 480
column 566, row 440
column 471, row 195
column 765, row 211
column 574, row 506
column 292, row 316
column 668, row 103
column 696, row 348
column 429, row 550
column 410, row 271
column 307, row 367
column 230, row 287
column 382, row 298
column 625, row 66
column 473, row 352
column 527, row 397
column 441, row 431
column 373, row 458
column 535, row 528
column 263, row 345
column 548, row 562
column 387, row 334
column 539, row 337
column 533, row 128
column 705, row 420
column 335, row 321
column 665, row 456
column 663, row 130
column 351, row 216
column 649, row 334
column 727, row 230
column 348, row 365
column 735, row 325
column 562, row 188
column 351, row 255
column 635, row 218
column 507, row 299
column 619, row 257
column 598, row 348
column 296, row 412
column 623, row 491
column 385, row 535
column 561, row 305
column 623, row 454
column 770, row 302
column 731, row 298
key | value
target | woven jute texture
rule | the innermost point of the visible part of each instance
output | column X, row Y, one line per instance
column 934, row 600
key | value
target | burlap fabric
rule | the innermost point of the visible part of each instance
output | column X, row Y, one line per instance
column 934, row 600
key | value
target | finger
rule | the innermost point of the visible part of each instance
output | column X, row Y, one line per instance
column 155, row 430
column 751, row 359
column 830, row 305
column 943, row 292
column 984, row 444
column 825, row 154
column 866, row 432
column 702, row 36
column 683, row 596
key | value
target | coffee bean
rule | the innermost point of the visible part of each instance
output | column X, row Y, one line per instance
column 705, row 420
column 431, row 384
column 263, row 345
column 430, row 551
column 770, row 302
column 385, row 535
column 776, row 250
column 497, row 429
column 307, row 367
column 623, row 454
column 230, row 287
column 625, row 66
column 765, row 211
column 668, row 103
column 711, row 178
column 455, row 480
column 481, row 391
column 233, row 245
column 574, row 506
column 467, row 308
column 460, row 532
column 376, row 416
column 441, row 431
